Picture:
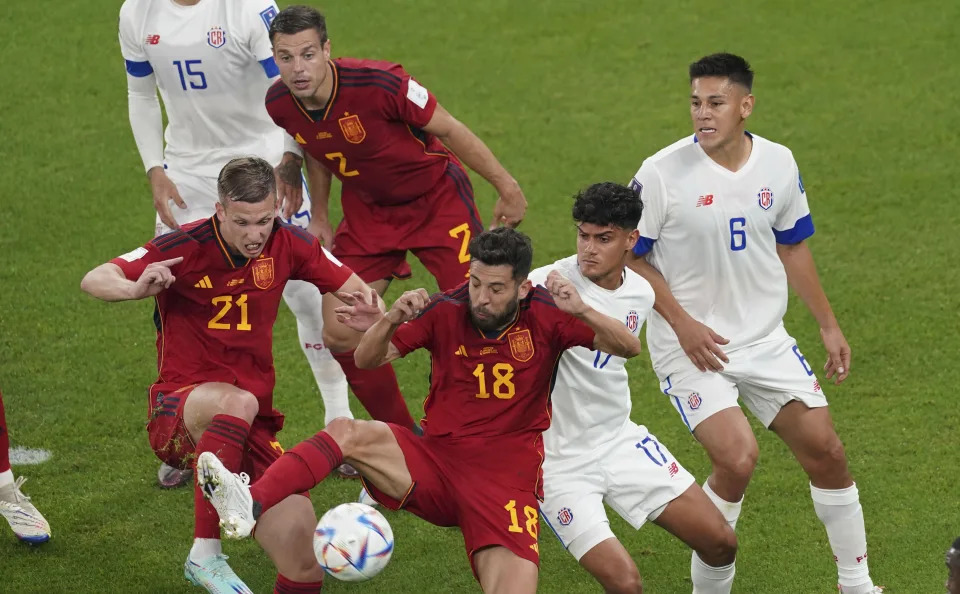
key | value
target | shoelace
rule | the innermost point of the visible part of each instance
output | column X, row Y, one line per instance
column 244, row 478
column 18, row 495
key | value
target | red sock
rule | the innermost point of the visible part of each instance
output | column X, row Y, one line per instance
column 226, row 437
column 377, row 390
column 285, row 585
column 4, row 440
column 300, row 469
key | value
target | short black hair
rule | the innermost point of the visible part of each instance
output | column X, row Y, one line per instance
column 294, row 19
column 956, row 544
column 504, row 245
column 723, row 64
column 246, row 179
column 608, row 203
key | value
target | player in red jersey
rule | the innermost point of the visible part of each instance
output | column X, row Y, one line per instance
column 24, row 518
column 218, row 284
column 397, row 154
column 494, row 342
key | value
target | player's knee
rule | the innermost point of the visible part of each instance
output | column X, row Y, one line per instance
column 240, row 403
column 828, row 462
column 722, row 551
column 352, row 435
column 338, row 337
column 737, row 465
column 625, row 581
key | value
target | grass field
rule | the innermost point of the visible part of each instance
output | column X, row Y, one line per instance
column 566, row 93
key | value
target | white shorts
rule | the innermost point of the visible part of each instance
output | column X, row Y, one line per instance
column 634, row 474
column 199, row 193
column 766, row 376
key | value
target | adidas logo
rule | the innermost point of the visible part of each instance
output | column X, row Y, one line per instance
column 300, row 139
column 203, row 283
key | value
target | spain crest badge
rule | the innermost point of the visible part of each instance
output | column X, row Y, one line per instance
column 521, row 345
column 263, row 273
column 352, row 129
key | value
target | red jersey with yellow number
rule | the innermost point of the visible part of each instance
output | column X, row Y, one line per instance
column 215, row 323
column 370, row 133
column 493, row 389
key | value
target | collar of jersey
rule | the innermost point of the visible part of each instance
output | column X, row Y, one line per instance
column 308, row 113
column 233, row 260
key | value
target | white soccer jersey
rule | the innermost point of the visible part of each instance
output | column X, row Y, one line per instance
column 591, row 395
column 213, row 64
column 713, row 233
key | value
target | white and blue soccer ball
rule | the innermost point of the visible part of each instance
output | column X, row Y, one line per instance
column 353, row 542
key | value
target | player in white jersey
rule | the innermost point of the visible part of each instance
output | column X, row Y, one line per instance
column 594, row 453
column 722, row 234
column 212, row 62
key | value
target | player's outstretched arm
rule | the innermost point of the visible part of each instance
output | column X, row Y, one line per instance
column 698, row 341
column 511, row 204
column 375, row 348
column 612, row 336
column 107, row 281
column 289, row 184
column 802, row 276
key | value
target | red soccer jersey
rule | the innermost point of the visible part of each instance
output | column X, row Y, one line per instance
column 215, row 323
column 370, row 133
column 495, row 388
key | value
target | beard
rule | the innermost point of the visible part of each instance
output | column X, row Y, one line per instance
column 495, row 322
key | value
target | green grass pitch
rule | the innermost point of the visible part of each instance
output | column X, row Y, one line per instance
column 566, row 93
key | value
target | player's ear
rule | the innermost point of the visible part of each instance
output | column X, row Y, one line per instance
column 746, row 106
column 326, row 50
column 525, row 287
column 632, row 239
column 221, row 213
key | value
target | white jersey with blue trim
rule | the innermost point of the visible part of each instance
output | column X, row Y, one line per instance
column 713, row 234
column 591, row 393
column 213, row 64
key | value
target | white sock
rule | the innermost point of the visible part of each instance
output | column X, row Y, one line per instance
column 306, row 303
column 204, row 548
column 711, row 580
column 330, row 380
column 842, row 516
column 6, row 478
column 729, row 509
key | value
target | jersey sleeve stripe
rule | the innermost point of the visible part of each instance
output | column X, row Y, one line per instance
column 172, row 244
column 801, row 230
column 139, row 69
column 464, row 191
column 270, row 67
column 360, row 84
column 298, row 232
column 167, row 238
column 347, row 71
column 643, row 245
column 390, row 85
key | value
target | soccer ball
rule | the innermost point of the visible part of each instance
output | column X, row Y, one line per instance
column 353, row 542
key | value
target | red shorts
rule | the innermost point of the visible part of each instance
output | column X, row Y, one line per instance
column 437, row 227
column 171, row 441
column 448, row 492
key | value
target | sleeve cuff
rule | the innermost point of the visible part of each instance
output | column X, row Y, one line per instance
column 801, row 230
column 643, row 245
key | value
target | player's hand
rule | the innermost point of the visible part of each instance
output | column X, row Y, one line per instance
column 565, row 294
column 838, row 354
column 701, row 344
column 323, row 231
column 164, row 191
column 155, row 278
column 408, row 306
column 510, row 206
column 289, row 185
column 361, row 311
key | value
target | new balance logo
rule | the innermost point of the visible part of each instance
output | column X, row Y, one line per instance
column 153, row 39
column 705, row 200
column 203, row 283
column 299, row 139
